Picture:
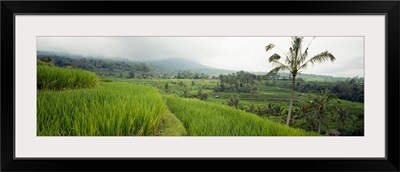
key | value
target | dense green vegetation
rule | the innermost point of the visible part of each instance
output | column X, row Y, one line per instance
column 351, row 89
column 172, row 126
column 269, row 103
column 294, row 61
column 112, row 109
column 54, row 78
column 208, row 119
column 133, row 99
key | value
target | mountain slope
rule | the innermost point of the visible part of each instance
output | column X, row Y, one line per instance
column 177, row 65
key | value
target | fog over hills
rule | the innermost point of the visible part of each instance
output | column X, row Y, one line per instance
column 172, row 65
column 180, row 64
column 230, row 53
column 175, row 65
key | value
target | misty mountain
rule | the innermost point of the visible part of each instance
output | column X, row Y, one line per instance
column 69, row 55
column 174, row 65
column 50, row 53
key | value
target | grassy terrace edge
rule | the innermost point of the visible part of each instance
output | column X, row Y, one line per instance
column 55, row 78
column 208, row 119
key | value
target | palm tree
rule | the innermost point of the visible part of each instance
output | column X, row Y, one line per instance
column 270, row 109
column 260, row 111
column 295, row 61
column 185, row 93
column 234, row 101
column 311, row 118
column 321, row 104
column 343, row 116
column 251, row 108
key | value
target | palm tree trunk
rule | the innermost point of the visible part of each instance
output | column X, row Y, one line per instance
column 319, row 125
column 291, row 102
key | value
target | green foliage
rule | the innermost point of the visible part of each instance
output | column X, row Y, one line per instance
column 106, row 80
column 201, row 96
column 131, row 74
column 294, row 61
column 172, row 126
column 104, row 67
column 238, row 82
column 112, row 109
column 208, row 119
column 54, row 78
column 234, row 101
column 319, row 105
column 166, row 87
column 351, row 89
column 182, row 84
column 41, row 63
column 185, row 93
column 45, row 59
column 187, row 74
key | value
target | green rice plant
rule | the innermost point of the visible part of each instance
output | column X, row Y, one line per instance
column 106, row 80
column 172, row 126
column 55, row 78
column 208, row 119
column 112, row 109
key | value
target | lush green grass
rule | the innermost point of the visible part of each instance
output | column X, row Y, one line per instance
column 209, row 119
column 54, row 78
column 266, row 94
column 172, row 126
column 112, row 109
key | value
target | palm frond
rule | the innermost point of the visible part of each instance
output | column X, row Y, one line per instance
column 278, row 63
column 277, row 69
column 304, row 55
column 319, row 58
column 274, row 57
column 269, row 47
column 297, row 44
column 322, row 57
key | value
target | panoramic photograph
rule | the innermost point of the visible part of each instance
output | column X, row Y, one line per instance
column 200, row 86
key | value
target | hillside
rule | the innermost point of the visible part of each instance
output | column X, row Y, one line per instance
column 174, row 65
column 122, row 66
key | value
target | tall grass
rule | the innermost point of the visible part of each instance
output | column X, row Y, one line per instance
column 208, row 119
column 112, row 109
column 172, row 126
column 54, row 78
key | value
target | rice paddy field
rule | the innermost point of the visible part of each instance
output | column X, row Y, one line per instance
column 112, row 109
column 54, row 78
column 74, row 102
column 208, row 119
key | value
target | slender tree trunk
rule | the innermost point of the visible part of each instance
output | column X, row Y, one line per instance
column 319, row 125
column 291, row 102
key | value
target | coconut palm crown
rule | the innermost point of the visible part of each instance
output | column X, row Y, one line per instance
column 294, row 61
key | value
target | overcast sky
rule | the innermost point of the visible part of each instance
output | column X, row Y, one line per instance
column 233, row 53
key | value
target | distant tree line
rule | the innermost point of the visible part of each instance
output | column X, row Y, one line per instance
column 351, row 89
column 187, row 74
column 104, row 67
column 241, row 81
column 121, row 69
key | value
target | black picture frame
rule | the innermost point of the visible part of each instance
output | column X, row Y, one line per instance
column 9, row 8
